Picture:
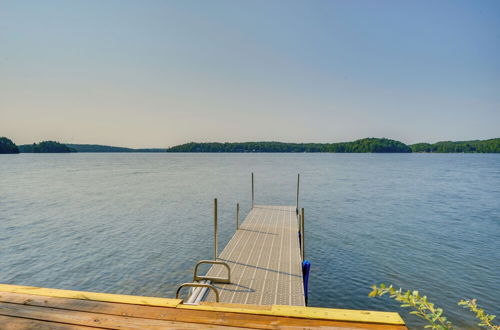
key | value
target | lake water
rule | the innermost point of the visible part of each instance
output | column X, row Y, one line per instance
column 136, row 223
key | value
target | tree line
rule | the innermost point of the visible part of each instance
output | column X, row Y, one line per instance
column 363, row 145
column 9, row 147
column 46, row 147
column 475, row 146
column 376, row 145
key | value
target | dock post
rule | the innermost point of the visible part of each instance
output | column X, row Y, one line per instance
column 302, row 236
column 253, row 200
column 299, row 222
column 215, row 229
column 298, row 182
column 237, row 216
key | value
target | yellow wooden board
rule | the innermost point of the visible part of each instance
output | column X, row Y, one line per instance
column 308, row 312
column 274, row 310
column 338, row 314
column 108, row 297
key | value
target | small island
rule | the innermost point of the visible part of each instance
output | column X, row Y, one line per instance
column 46, row 147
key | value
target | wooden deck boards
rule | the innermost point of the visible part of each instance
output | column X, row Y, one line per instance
column 264, row 257
column 32, row 311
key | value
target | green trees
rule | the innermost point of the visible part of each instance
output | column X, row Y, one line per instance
column 7, row 146
column 421, row 147
column 97, row 148
column 377, row 145
column 474, row 146
column 370, row 145
column 46, row 147
column 363, row 145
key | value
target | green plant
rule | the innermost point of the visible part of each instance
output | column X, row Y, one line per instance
column 428, row 311
column 423, row 308
column 480, row 314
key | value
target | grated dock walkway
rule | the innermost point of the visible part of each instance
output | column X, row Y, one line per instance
column 265, row 261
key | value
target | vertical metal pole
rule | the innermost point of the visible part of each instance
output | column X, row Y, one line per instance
column 237, row 215
column 252, row 193
column 298, row 182
column 215, row 229
column 299, row 219
column 302, row 237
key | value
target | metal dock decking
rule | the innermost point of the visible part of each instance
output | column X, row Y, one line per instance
column 265, row 260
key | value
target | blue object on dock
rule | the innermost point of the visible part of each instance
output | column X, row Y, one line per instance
column 306, row 267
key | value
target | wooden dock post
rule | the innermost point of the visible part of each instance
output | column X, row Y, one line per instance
column 253, row 199
column 215, row 229
column 298, row 182
column 302, row 236
column 237, row 216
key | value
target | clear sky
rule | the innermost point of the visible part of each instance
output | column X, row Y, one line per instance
column 160, row 73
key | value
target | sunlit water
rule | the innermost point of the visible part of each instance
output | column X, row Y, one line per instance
column 137, row 223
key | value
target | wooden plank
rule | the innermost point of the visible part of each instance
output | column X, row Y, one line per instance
column 127, row 299
column 14, row 323
column 264, row 256
column 162, row 313
column 338, row 314
column 220, row 314
column 93, row 319
column 310, row 313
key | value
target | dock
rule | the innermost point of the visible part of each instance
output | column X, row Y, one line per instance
column 265, row 260
column 259, row 281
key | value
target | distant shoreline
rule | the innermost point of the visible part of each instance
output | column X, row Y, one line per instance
column 367, row 145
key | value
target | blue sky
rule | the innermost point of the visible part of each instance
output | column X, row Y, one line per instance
column 159, row 73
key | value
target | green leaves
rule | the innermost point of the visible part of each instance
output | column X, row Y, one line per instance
column 486, row 319
column 426, row 310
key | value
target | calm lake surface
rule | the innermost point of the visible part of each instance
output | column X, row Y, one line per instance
column 136, row 223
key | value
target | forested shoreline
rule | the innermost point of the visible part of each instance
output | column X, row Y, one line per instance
column 46, row 147
column 363, row 145
column 375, row 145
column 370, row 145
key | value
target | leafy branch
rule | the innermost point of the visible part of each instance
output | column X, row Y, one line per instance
column 427, row 310
column 423, row 308
column 480, row 314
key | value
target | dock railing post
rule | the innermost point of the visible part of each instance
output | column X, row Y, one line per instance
column 302, row 236
column 237, row 216
column 215, row 229
column 298, row 182
column 253, row 200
